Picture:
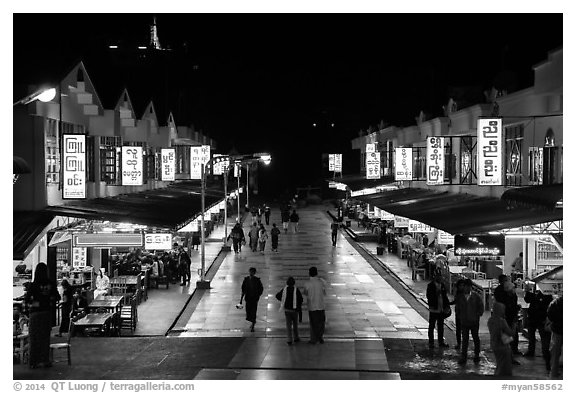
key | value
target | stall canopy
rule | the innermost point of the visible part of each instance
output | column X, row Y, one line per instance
column 27, row 228
column 167, row 208
column 545, row 197
column 359, row 181
column 458, row 213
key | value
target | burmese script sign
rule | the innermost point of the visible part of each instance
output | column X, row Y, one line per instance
column 74, row 166
column 132, row 164
column 158, row 241
column 434, row 160
column 168, row 164
column 403, row 161
column 490, row 152
column 373, row 165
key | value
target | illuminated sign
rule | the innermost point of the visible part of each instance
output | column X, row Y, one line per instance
column 132, row 164
column 434, row 160
column 417, row 226
column 332, row 184
column 373, row 165
column 401, row 222
column 205, row 154
column 490, row 152
column 445, row 238
column 158, row 241
column 218, row 166
column 107, row 240
column 168, row 164
column 79, row 257
column 477, row 245
column 196, row 162
column 237, row 171
column 370, row 147
column 338, row 163
column 403, row 164
column 384, row 215
column 331, row 162
column 74, row 166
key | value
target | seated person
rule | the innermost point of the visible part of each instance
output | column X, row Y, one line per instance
column 102, row 284
column 79, row 305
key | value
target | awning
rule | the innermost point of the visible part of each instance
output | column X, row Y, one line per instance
column 555, row 274
column 359, row 182
column 60, row 237
column 458, row 213
column 28, row 227
column 166, row 208
column 546, row 197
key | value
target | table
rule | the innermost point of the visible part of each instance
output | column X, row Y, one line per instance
column 111, row 303
column 98, row 320
column 456, row 269
column 130, row 280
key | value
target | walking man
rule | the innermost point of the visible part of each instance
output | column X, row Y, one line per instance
column 334, row 227
column 471, row 308
column 184, row 263
column 315, row 290
column 437, row 303
column 252, row 289
column 505, row 293
column 291, row 303
column 294, row 218
column 237, row 235
column 253, row 235
column 536, row 321
column 262, row 237
column 274, row 232
column 267, row 214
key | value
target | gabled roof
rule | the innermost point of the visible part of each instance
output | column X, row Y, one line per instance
column 125, row 102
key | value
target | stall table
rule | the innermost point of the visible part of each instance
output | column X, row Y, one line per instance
column 111, row 303
column 98, row 320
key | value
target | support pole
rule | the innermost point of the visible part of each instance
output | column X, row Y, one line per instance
column 225, row 206
column 238, row 188
column 202, row 240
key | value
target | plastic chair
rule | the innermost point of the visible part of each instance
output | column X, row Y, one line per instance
column 65, row 345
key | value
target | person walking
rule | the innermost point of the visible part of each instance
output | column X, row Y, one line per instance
column 334, row 228
column 285, row 219
column 252, row 289
column 267, row 214
column 184, row 263
column 438, row 303
column 555, row 316
column 237, row 235
column 505, row 293
column 253, row 235
column 499, row 329
column 315, row 290
column 259, row 215
column 262, row 237
column 274, row 233
column 294, row 219
column 254, row 213
column 41, row 298
column 291, row 303
column 537, row 310
column 471, row 308
column 457, row 311
column 67, row 298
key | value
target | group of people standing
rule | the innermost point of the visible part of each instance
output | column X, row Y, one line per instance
column 291, row 301
column 544, row 315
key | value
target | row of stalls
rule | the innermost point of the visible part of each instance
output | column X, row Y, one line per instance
column 116, row 234
column 461, row 235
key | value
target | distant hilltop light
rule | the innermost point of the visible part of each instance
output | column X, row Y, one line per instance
column 142, row 47
column 113, row 46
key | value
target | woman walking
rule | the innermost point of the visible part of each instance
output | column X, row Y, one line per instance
column 41, row 297
column 291, row 303
column 274, row 232
column 500, row 337
column 252, row 289
column 262, row 237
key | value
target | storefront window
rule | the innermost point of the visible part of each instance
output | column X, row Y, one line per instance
column 514, row 137
column 536, row 172
column 52, row 152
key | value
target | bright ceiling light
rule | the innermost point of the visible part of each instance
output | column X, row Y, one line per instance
column 47, row 95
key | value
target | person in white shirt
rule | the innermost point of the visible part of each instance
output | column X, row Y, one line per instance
column 102, row 284
column 315, row 290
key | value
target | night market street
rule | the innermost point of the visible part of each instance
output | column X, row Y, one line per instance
column 375, row 328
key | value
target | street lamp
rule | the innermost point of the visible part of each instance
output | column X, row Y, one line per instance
column 44, row 95
column 247, row 158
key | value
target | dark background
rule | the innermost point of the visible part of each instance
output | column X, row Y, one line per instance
column 259, row 82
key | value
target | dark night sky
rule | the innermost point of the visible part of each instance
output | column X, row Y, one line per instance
column 258, row 82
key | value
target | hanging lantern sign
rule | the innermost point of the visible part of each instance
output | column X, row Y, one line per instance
column 196, row 162
column 373, row 165
column 338, row 163
column 434, row 160
column 74, row 166
column 403, row 164
column 168, row 164
column 490, row 152
column 132, row 164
